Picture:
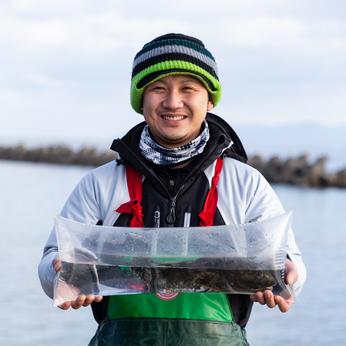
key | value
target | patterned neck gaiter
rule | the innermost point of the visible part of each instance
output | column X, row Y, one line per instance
column 160, row 155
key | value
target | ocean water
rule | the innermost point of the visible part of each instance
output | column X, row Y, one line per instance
column 32, row 194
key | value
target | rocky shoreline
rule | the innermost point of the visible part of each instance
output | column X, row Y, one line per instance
column 292, row 171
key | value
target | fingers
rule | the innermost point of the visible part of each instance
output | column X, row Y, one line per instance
column 98, row 299
column 82, row 300
column 65, row 306
column 267, row 297
column 90, row 299
column 283, row 304
column 79, row 302
column 258, row 297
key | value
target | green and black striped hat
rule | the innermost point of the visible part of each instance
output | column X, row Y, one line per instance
column 173, row 54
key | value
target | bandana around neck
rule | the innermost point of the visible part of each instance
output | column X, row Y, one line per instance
column 160, row 155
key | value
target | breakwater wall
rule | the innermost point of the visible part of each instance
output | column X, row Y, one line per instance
column 292, row 171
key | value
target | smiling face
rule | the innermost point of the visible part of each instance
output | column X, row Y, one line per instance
column 175, row 107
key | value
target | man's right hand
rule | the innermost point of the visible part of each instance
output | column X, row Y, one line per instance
column 82, row 300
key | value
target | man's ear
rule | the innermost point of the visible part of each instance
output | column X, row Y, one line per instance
column 210, row 106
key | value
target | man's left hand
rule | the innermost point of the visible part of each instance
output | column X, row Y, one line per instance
column 267, row 297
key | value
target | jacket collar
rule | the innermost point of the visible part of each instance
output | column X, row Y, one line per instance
column 223, row 142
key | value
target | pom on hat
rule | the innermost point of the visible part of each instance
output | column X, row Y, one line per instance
column 173, row 54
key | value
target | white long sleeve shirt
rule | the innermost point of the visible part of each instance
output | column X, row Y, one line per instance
column 244, row 196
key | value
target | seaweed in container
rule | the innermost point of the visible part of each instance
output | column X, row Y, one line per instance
column 212, row 275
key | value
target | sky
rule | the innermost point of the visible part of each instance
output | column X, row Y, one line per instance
column 65, row 65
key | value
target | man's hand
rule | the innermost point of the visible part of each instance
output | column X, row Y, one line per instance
column 82, row 300
column 267, row 297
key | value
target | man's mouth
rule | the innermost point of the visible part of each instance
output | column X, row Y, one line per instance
column 174, row 117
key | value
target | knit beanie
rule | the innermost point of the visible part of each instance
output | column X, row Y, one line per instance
column 173, row 54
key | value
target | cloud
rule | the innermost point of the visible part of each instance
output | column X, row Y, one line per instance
column 262, row 31
column 280, row 59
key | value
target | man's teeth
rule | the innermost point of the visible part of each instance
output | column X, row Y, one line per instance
column 173, row 117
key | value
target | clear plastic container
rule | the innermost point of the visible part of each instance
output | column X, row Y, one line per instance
column 106, row 260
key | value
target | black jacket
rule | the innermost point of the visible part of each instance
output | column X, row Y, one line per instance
column 173, row 191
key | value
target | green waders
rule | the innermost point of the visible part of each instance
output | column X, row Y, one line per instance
column 190, row 319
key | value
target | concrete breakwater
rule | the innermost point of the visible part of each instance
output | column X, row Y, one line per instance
column 292, row 171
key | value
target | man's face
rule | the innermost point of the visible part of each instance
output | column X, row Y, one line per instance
column 175, row 107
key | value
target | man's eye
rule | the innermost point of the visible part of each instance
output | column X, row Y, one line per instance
column 188, row 88
column 157, row 88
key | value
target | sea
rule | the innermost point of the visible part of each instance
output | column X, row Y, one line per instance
column 32, row 194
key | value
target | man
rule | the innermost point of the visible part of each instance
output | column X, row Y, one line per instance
column 179, row 153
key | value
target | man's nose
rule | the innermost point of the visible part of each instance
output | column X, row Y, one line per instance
column 173, row 99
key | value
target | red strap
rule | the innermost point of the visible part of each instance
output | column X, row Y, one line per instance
column 207, row 214
column 133, row 206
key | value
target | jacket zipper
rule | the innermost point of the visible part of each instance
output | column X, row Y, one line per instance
column 171, row 217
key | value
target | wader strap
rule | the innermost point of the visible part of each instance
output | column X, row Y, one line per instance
column 133, row 206
column 207, row 214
